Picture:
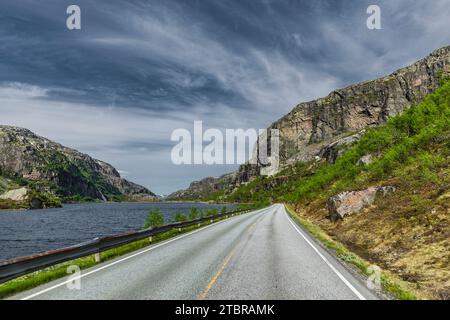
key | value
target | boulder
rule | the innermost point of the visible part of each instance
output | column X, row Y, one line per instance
column 15, row 195
column 384, row 191
column 36, row 203
column 365, row 160
column 350, row 202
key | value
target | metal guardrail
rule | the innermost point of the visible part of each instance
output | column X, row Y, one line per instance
column 14, row 268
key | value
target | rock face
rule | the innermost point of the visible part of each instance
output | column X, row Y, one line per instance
column 311, row 128
column 324, row 127
column 332, row 151
column 350, row 202
column 58, row 169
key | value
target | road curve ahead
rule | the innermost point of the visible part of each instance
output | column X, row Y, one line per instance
column 259, row 255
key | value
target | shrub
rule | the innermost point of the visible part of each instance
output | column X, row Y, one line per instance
column 193, row 213
column 154, row 219
column 180, row 217
column 211, row 212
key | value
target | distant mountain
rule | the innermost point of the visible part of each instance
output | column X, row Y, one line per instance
column 207, row 186
column 324, row 127
column 53, row 173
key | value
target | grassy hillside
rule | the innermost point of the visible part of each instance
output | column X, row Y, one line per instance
column 407, row 232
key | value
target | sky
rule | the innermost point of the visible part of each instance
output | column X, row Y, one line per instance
column 138, row 70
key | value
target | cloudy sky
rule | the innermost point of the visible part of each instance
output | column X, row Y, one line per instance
column 137, row 70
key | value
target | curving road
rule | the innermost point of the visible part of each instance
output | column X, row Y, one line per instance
column 259, row 255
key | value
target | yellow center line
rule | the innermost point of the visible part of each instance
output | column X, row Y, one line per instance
column 203, row 295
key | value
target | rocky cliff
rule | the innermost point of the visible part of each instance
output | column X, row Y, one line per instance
column 312, row 126
column 324, row 127
column 49, row 167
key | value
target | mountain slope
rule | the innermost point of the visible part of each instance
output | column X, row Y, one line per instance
column 405, row 228
column 326, row 126
column 374, row 178
column 49, row 168
column 207, row 187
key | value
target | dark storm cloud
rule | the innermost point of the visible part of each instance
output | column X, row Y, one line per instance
column 108, row 61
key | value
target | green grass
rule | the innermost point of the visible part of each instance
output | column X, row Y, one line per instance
column 6, row 204
column 41, row 277
column 389, row 283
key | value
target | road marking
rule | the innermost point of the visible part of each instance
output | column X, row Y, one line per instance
column 347, row 283
column 127, row 258
column 203, row 295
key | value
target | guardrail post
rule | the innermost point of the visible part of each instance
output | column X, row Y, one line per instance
column 97, row 257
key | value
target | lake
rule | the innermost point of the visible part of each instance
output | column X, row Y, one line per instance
column 24, row 232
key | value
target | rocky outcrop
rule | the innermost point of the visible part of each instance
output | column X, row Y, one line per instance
column 327, row 126
column 350, row 202
column 384, row 191
column 19, row 194
column 365, row 160
column 334, row 150
column 56, row 169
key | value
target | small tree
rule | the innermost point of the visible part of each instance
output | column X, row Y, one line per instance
column 193, row 213
column 211, row 212
column 154, row 219
column 180, row 217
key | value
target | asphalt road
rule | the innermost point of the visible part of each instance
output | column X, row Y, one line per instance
column 259, row 255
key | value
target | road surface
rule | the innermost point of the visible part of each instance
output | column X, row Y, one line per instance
column 258, row 255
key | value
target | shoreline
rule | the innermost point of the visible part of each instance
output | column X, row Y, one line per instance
column 124, row 202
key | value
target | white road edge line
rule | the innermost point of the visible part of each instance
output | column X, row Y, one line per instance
column 127, row 258
column 347, row 283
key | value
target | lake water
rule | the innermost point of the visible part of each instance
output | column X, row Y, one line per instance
column 32, row 231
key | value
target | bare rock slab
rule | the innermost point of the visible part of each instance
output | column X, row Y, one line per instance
column 15, row 195
column 349, row 202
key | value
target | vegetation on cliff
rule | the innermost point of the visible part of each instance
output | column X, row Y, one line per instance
column 32, row 198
